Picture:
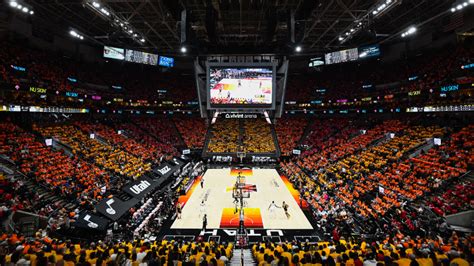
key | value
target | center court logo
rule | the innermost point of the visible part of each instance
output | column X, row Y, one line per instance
column 139, row 188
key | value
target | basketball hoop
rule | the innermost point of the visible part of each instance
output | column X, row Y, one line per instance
column 241, row 156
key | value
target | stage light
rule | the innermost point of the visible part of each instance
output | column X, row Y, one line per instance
column 459, row 7
column 453, row 9
column 13, row 4
column 25, row 9
column 410, row 31
column 104, row 11
column 32, row 12
column 352, row 30
column 95, row 4
column 135, row 35
column 298, row 49
column 464, row 4
column 183, row 49
column 340, row 38
column 471, row 1
column 374, row 12
column 19, row 6
column 142, row 40
column 347, row 33
column 76, row 35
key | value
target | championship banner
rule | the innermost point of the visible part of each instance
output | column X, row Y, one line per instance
column 88, row 220
column 140, row 187
column 115, row 208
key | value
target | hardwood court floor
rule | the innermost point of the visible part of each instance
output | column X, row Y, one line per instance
column 219, row 206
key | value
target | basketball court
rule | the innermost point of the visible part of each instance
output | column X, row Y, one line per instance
column 263, row 185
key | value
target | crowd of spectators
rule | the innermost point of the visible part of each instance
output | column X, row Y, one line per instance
column 289, row 131
column 398, row 250
column 453, row 200
column 113, row 138
column 56, row 72
column 111, row 158
column 369, row 177
column 163, row 129
column 160, row 147
column 432, row 69
column 225, row 136
column 257, row 137
column 72, row 178
column 43, row 250
column 193, row 131
column 248, row 136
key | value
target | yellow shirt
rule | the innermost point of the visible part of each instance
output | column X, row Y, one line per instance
column 403, row 262
column 459, row 262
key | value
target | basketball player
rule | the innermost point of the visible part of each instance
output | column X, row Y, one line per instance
column 272, row 208
column 285, row 207
column 178, row 210
column 204, row 223
column 202, row 209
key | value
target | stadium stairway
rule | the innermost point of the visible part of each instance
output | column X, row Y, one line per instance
column 47, row 197
column 207, row 139
column 275, row 140
column 422, row 148
column 180, row 137
column 237, row 257
column 58, row 145
column 305, row 134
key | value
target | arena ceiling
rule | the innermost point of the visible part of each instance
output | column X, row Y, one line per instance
column 237, row 26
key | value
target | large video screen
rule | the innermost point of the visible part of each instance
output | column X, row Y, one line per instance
column 240, row 86
column 166, row 61
column 141, row 57
column 114, row 52
column 342, row 56
column 316, row 61
column 369, row 51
